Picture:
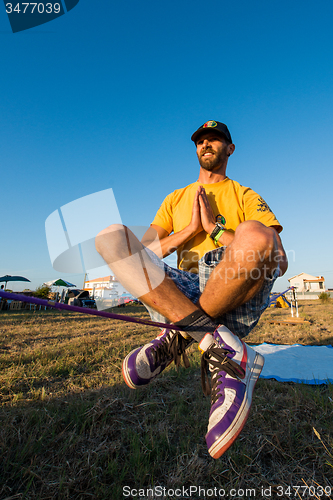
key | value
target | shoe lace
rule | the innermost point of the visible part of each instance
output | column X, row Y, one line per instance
column 172, row 346
column 217, row 357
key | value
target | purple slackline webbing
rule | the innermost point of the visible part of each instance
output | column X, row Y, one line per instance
column 84, row 310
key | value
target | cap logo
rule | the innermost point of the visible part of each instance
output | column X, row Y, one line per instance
column 211, row 123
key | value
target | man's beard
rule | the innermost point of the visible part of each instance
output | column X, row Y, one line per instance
column 211, row 163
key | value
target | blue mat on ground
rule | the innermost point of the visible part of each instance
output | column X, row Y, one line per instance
column 297, row 363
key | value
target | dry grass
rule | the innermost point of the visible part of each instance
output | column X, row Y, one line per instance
column 70, row 427
column 318, row 332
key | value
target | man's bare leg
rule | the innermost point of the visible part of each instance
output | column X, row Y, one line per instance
column 235, row 280
column 234, row 367
column 248, row 260
column 123, row 253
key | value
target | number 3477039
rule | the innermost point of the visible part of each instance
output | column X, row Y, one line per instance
column 33, row 8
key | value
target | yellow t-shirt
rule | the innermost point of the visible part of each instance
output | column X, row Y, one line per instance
column 229, row 198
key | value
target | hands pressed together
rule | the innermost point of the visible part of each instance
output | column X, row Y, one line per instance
column 203, row 218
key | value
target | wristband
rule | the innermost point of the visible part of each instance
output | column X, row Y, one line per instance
column 218, row 236
column 217, row 232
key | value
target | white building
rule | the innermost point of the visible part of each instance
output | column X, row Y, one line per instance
column 307, row 286
column 107, row 288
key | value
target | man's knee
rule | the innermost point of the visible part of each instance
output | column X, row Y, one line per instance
column 112, row 241
column 255, row 237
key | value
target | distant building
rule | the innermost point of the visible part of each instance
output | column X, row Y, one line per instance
column 307, row 286
column 104, row 288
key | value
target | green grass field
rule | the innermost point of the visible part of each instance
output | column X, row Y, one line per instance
column 71, row 429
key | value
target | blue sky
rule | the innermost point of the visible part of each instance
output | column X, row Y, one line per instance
column 108, row 95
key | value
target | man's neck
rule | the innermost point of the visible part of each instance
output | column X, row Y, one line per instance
column 206, row 177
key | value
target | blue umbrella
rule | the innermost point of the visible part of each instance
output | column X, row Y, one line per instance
column 12, row 278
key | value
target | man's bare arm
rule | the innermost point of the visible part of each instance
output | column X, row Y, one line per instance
column 167, row 243
column 281, row 256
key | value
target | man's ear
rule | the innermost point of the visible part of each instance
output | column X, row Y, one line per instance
column 230, row 149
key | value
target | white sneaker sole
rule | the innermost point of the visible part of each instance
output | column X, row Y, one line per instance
column 124, row 370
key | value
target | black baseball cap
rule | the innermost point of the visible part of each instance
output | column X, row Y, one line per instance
column 219, row 127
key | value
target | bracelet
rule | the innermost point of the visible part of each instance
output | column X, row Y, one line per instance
column 217, row 232
column 218, row 236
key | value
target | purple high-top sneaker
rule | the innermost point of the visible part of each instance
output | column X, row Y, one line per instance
column 145, row 363
column 235, row 368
